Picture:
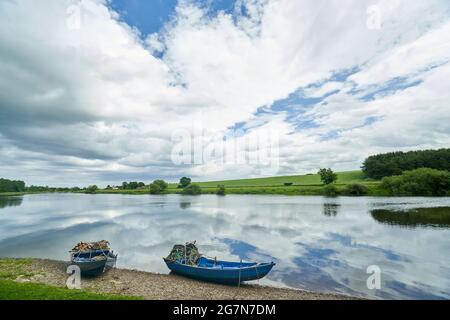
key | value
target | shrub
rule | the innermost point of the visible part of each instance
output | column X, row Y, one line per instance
column 220, row 190
column 355, row 190
column 192, row 189
column 418, row 182
column 288, row 184
column 162, row 184
column 92, row 189
column 330, row 191
column 155, row 189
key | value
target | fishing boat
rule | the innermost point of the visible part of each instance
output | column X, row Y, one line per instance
column 186, row 261
column 93, row 258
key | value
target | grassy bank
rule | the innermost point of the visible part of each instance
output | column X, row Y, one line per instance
column 16, row 283
column 32, row 279
column 301, row 185
column 11, row 194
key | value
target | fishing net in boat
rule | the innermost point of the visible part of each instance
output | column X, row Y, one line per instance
column 188, row 251
column 88, row 246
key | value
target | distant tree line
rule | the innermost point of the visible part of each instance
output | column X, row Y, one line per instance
column 51, row 189
column 11, row 185
column 395, row 163
column 132, row 185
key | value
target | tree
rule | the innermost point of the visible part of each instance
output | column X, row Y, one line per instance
column 394, row 163
column 133, row 185
column 327, row 176
column 184, row 182
column 124, row 185
column 220, row 191
column 140, row 185
column 158, row 186
column 192, row 189
column 92, row 189
column 12, row 186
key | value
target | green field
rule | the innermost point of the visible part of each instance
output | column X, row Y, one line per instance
column 301, row 180
column 10, row 289
column 308, row 184
column 11, row 194
column 301, row 185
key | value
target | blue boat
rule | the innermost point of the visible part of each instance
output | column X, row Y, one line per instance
column 94, row 263
column 213, row 270
column 93, row 258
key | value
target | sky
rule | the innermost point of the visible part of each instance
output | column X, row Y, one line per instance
column 105, row 91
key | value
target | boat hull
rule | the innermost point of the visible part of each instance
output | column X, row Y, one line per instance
column 92, row 267
column 229, row 273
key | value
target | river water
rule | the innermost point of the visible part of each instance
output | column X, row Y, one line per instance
column 321, row 244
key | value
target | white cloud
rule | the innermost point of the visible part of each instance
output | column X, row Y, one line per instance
column 94, row 101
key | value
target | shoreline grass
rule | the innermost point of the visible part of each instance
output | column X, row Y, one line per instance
column 11, row 270
column 41, row 279
column 10, row 290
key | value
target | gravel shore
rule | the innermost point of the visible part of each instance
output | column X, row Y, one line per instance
column 165, row 287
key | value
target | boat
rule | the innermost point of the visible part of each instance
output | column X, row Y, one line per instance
column 93, row 258
column 189, row 263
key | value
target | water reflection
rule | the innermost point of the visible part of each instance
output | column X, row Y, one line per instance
column 312, row 250
column 420, row 217
column 10, row 201
column 331, row 209
column 185, row 205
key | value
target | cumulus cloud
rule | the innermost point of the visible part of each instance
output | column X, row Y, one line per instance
column 86, row 99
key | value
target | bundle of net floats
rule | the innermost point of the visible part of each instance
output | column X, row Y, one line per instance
column 91, row 246
column 187, row 254
column 93, row 258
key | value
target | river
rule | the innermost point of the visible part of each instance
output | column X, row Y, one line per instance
column 320, row 244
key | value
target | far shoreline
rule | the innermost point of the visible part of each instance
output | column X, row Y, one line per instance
column 143, row 193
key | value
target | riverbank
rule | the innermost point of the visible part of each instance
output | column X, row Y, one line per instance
column 49, row 276
column 301, row 185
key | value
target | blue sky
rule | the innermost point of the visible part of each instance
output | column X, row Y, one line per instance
column 149, row 16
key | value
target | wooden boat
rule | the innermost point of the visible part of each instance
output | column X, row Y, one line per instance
column 95, row 262
column 212, row 270
column 93, row 258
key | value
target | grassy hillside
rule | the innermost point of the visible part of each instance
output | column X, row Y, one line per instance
column 301, row 180
column 302, row 185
